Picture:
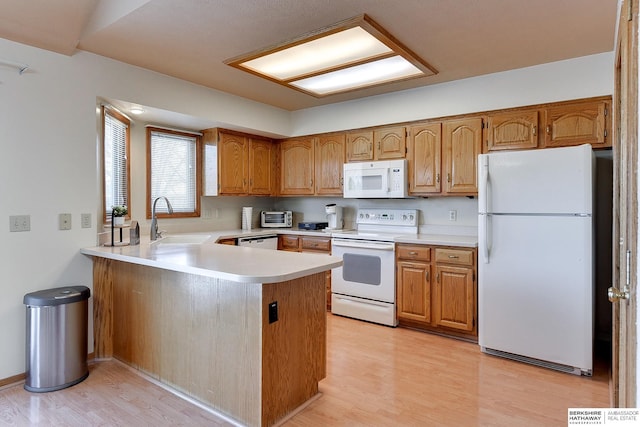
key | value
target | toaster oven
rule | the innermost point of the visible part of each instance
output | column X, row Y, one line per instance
column 276, row 219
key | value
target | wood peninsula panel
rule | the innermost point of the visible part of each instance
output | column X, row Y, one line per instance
column 211, row 339
column 102, row 308
column 294, row 347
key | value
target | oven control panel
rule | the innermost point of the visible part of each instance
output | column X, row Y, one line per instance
column 376, row 216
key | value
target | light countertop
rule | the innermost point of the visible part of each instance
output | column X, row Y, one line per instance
column 235, row 263
column 245, row 264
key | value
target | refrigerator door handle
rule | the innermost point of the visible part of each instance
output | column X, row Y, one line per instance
column 483, row 233
column 483, row 201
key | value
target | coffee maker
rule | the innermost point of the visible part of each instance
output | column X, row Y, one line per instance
column 334, row 216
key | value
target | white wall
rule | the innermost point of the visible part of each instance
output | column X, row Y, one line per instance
column 572, row 79
column 49, row 162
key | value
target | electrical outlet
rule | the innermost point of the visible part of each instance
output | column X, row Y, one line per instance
column 85, row 220
column 273, row 312
column 64, row 221
column 20, row 223
column 453, row 215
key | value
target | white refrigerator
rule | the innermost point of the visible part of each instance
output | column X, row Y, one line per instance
column 535, row 249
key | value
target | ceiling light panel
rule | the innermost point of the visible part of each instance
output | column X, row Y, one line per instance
column 350, row 55
column 364, row 75
column 327, row 53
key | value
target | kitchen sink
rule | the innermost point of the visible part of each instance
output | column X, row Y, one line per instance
column 182, row 239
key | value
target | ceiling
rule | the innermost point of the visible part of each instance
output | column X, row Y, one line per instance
column 191, row 39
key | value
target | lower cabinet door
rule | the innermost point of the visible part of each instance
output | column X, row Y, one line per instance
column 414, row 291
column 454, row 297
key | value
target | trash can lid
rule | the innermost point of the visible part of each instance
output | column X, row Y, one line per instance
column 57, row 296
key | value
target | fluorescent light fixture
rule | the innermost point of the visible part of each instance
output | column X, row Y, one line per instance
column 350, row 55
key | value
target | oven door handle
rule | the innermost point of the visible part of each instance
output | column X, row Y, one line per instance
column 381, row 246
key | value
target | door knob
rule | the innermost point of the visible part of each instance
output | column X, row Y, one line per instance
column 616, row 294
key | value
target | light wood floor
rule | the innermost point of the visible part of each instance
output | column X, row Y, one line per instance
column 376, row 376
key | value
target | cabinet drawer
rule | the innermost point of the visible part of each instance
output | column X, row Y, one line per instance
column 454, row 256
column 315, row 244
column 421, row 253
column 287, row 242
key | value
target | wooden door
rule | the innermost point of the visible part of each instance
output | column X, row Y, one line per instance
column 512, row 130
column 296, row 167
column 359, row 146
column 329, row 156
column 390, row 143
column 232, row 164
column 461, row 144
column 414, row 291
column 261, row 167
column 424, row 158
column 625, row 203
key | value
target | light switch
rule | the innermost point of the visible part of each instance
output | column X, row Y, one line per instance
column 19, row 223
column 85, row 220
column 64, row 221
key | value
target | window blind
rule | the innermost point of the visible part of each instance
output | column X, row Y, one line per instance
column 173, row 170
column 116, row 181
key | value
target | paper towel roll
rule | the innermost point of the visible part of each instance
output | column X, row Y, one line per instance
column 247, row 217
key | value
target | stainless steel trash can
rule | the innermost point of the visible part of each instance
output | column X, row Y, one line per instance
column 56, row 353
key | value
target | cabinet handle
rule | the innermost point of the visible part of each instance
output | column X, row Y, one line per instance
column 378, row 145
column 548, row 129
column 426, row 275
column 413, row 253
column 534, row 130
column 438, row 277
column 454, row 256
column 448, row 177
column 438, row 178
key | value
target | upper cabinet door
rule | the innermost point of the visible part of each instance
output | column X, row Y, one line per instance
column 462, row 141
column 512, row 130
column 329, row 159
column 261, row 167
column 424, row 158
column 232, row 164
column 359, row 146
column 297, row 166
column 390, row 143
column 576, row 124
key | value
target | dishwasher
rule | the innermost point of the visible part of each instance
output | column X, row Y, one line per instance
column 261, row 242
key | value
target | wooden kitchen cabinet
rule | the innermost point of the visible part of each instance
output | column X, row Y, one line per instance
column 390, row 143
column 359, row 146
column 442, row 157
column 512, row 130
column 245, row 163
column 377, row 144
column 461, row 144
column 413, row 281
column 424, row 152
column 436, row 289
column 455, row 296
column 305, row 243
column 578, row 123
column 297, row 166
column 329, row 160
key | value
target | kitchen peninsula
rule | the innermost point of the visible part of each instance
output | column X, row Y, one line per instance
column 242, row 330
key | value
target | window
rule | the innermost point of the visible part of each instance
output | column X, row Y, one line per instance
column 115, row 142
column 173, row 169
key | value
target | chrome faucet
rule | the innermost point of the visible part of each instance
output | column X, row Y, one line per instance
column 154, row 221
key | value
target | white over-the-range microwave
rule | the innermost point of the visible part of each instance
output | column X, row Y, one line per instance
column 377, row 179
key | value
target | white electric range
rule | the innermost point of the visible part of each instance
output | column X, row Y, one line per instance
column 364, row 286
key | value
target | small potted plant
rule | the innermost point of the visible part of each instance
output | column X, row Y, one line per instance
column 118, row 213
